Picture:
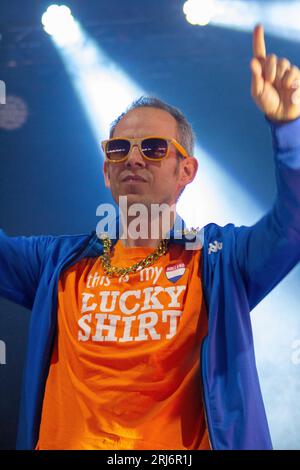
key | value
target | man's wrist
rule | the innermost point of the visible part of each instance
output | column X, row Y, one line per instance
column 285, row 134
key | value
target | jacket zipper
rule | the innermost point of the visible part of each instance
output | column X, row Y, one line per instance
column 201, row 350
column 202, row 397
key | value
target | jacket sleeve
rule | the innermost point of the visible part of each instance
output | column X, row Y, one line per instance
column 268, row 250
column 20, row 267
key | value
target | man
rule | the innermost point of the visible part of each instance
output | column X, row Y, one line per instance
column 143, row 343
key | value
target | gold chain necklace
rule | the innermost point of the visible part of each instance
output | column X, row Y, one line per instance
column 144, row 263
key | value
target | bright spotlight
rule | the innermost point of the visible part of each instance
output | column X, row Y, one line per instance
column 279, row 17
column 59, row 23
column 199, row 12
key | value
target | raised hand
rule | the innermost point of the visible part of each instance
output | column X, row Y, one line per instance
column 275, row 84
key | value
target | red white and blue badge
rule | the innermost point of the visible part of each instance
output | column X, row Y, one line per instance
column 175, row 271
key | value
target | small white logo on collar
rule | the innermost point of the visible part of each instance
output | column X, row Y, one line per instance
column 189, row 232
column 214, row 247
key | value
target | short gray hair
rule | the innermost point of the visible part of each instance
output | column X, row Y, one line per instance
column 185, row 132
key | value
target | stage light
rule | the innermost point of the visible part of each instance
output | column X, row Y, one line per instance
column 280, row 18
column 199, row 12
column 59, row 23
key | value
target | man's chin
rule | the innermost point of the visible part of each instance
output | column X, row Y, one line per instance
column 135, row 198
column 138, row 199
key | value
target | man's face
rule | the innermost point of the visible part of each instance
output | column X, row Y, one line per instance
column 158, row 182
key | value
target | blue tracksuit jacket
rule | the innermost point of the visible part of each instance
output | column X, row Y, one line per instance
column 235, row 278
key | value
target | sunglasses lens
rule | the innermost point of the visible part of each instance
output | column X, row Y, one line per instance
column 155, row 148
column 117, row 149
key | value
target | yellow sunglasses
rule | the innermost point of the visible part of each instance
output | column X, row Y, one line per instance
column 152, row 148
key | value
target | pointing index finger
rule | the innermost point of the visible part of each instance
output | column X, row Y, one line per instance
column 259, row 46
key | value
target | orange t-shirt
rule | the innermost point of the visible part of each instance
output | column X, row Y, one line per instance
column 125, row 368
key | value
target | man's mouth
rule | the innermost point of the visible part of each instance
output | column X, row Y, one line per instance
column 133, row 178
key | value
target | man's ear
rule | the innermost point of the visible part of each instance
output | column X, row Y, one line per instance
column 189, row 168
column 106, row 174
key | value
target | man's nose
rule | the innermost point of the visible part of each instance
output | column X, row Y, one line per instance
column 135, row 157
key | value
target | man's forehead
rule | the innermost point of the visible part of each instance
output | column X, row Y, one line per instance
column 142, row 121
